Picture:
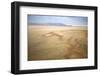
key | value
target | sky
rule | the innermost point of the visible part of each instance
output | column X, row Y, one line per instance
column 66, row 20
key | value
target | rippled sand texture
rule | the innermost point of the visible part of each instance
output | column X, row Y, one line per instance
column 52, row 42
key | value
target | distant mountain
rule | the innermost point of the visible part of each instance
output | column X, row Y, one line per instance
column 49, row 24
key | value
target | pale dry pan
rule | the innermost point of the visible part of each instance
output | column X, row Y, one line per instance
column 53, row 42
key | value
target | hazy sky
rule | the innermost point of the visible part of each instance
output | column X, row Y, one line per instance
column 66, row 20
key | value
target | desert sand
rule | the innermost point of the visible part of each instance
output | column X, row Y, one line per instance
column 53, row 42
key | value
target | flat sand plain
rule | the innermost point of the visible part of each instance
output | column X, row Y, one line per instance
column 56, row 42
